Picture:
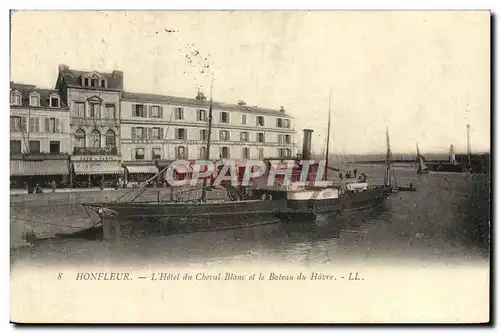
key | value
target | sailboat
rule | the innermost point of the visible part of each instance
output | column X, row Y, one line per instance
column 421, row 167
column 257, row 203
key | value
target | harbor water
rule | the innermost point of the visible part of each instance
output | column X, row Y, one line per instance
column 447, row 219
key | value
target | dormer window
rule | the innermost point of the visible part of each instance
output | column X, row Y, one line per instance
column 54, row 101
column 34, row 99
column 94, row 81
column 15, row 98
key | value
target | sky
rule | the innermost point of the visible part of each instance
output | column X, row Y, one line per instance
column 423, row 75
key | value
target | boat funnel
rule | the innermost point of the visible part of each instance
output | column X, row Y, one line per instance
column 306, row 144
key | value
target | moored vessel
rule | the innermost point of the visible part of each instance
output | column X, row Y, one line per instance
column 259, row 202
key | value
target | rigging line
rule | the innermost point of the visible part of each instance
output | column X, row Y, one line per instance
column 47, row 223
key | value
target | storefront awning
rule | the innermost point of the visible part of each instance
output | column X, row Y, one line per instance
column 142, row 169
column 97, row 168
column 38, row 168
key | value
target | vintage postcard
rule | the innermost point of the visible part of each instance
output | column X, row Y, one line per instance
column 250, row 166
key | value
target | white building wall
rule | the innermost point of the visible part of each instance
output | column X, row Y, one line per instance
column 42, row 135
column 86, row 123
column 192, row 126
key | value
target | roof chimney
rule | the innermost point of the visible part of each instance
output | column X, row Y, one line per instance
column 63, row 68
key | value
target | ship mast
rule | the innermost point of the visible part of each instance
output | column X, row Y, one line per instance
column 388, row 157
column 468, row 144
column 209, row 135
column 328, row 134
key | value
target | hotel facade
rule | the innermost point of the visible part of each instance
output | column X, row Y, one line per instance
column 157, row 127
column 112, row 133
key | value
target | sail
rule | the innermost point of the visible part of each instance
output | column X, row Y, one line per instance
column 420, row 161
column 421, row 164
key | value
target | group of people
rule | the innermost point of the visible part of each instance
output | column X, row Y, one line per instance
column 38, row 188
column 353, row 174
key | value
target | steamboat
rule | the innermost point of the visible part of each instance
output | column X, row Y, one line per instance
column 269, row 198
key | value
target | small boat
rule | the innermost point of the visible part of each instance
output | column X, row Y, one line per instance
column 422, row 168
column 408, row 188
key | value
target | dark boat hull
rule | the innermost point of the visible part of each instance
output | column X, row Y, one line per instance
column 142, row 219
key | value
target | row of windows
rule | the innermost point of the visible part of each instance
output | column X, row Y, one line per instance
column 181, row 134
column 34, row 99
column 34, row 147
column 94, row 110
column 50, row 125
column 155, row 111
column 94, row 82
column 181, row 152
column 93, row 139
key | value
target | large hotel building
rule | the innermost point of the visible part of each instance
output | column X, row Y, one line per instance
column 105, row 132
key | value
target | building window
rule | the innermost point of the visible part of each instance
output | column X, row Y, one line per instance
column 288, row 138
column 285, row 152
column 180, row 134
column 35, row 125
column 79, row 110
column 246, row 152
column 244, row 136
column 202, row 115
column 260, row 137
column 203, row 152
column 110, row 139
column 103, row 83
column 179, row 113
column 15, row 124
column 224, row 135
column 94, row 83
column 283, row 123
column 34, row 100
column 94, row 110
column 181, row 153
column 155, row 111
column 54, row 101
column 15, row 146
column 95, row 139
column 155, row 133
column 15, row 98
column 55, row 147
column 110, row 111
column 280, row 138
column 224, row 152
column 260, row 121
column 79, row 138
column 138, row 132
column 244, row 119
column 50, row 125
column 156, row 153
column 139, row 110
column 34, row 147
column 139, row 154
column 203, row 135
column 261, row 153
column 224, row 117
